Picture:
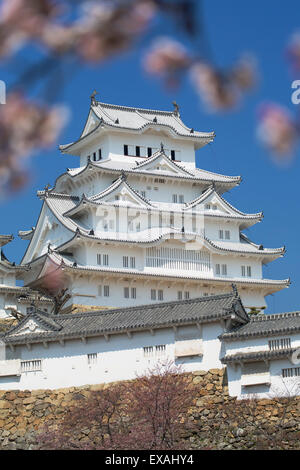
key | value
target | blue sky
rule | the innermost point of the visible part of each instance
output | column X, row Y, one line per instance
column 233, row 27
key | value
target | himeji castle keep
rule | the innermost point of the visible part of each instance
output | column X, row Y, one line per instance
column 148, row 261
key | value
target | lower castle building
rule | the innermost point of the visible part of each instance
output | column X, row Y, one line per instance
column 262, row 353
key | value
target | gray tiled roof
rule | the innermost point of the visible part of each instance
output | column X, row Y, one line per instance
column 258, row 355
column 204, row 309
column 266, row 325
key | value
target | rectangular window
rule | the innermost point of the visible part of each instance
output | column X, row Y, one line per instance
column 172, row 154
column 148, row 351
column 125, row 149
column 243, row 269
column 218, row 270
column 130, row 226
column 174, row 198
column 207, row 206
column 143, row 193
column 99, row 258
column 126, row 292
column 224, row 269
column 186, row 295
column 283, row 343
column 291, row 372
column 94, row 156
column 160, row 294
column 125, row 261
column 153, row 294
column 249, row 271
column 106, row 291
column 227, row 234
column 133, row 292
column 221, row 234
column 179, row 295
column 99, row 154
column 92, row 359
column 149, row 151
column 31, row 366
column 132, row 262
column 137, row 151
column 160, row 350
column 181, row 198
column 105, row 260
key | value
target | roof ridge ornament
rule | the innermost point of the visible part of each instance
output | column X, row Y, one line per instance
column 123, row 175
column 94, row 102
column 235, row 291
column 176, row 108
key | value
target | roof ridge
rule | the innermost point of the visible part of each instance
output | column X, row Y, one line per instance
column 151, row 306
column 133, row 109
column 264, row 317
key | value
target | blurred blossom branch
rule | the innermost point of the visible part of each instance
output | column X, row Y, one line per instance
column 89, row 32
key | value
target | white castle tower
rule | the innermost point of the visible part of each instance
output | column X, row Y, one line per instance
column 136, row 222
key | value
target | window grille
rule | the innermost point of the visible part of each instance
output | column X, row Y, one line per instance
column 291, row 372
column 282, row 343
column 160, row 350
column 179, row 295
column 221, row 234
column 186, row 295
column 31, row 366
column 125, row 261
column 153, row 294
column 106, row 291
column 174, row 198
column 132, row 262
column 227, row 234
column 105, row 260
column 92, row 358
column 133, row 292
column 177, row 258
column 148, row 351
column 160, row 294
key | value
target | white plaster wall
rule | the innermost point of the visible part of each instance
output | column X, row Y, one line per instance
column 85, row 291
column 120, row 358
column 279, row 386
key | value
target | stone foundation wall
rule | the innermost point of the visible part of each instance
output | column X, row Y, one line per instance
column 218, row 421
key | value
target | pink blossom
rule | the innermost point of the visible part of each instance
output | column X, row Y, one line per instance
column 293, row 51
column 25, row 127
column 276, row 129
column 166, row 57
column 213, row 88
